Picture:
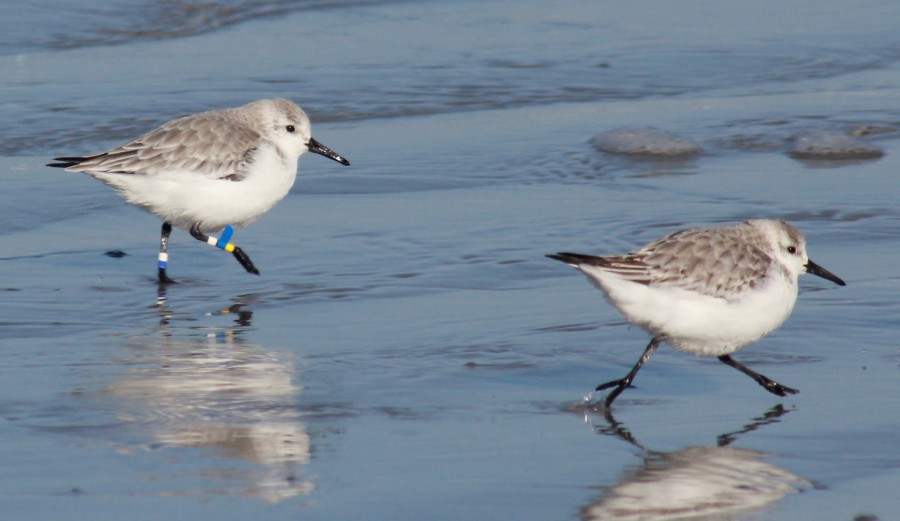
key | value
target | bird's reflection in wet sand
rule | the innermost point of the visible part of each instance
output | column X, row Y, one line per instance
column 243, row 316
column 205, row 387
column 695, row 483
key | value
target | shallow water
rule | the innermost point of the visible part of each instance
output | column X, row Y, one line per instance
column 408, row 352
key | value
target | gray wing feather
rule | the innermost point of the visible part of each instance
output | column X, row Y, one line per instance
column 203, row 143
column 694, row 261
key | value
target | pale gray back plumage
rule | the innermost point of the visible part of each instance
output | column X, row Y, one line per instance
column 718, row 262
column 218, row 144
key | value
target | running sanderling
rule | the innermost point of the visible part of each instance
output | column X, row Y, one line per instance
column 209, row 171
column 706, row 291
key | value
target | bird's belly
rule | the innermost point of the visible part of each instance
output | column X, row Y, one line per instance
column 188, row 199
column 705, row 325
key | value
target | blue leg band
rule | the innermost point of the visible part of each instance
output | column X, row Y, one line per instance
column 226, row 236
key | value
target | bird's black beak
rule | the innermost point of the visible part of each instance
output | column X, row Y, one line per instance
column 318, row 148
column 815, row 269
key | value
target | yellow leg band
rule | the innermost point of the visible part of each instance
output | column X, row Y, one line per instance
column 229, row 247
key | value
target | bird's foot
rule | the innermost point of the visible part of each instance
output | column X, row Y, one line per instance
column 244, row 260
column 622, row 382
column 778, row 389
column 163, row 278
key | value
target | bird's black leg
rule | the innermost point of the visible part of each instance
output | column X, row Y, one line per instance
column 223, row 244
column 622, row 384
column 164, row 254
column 769, row 385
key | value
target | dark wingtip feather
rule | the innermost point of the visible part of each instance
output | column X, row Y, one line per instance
column 66, row 161
column 575, row 259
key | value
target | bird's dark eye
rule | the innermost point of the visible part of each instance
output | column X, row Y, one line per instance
column 290, row 128
column 792, row 250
